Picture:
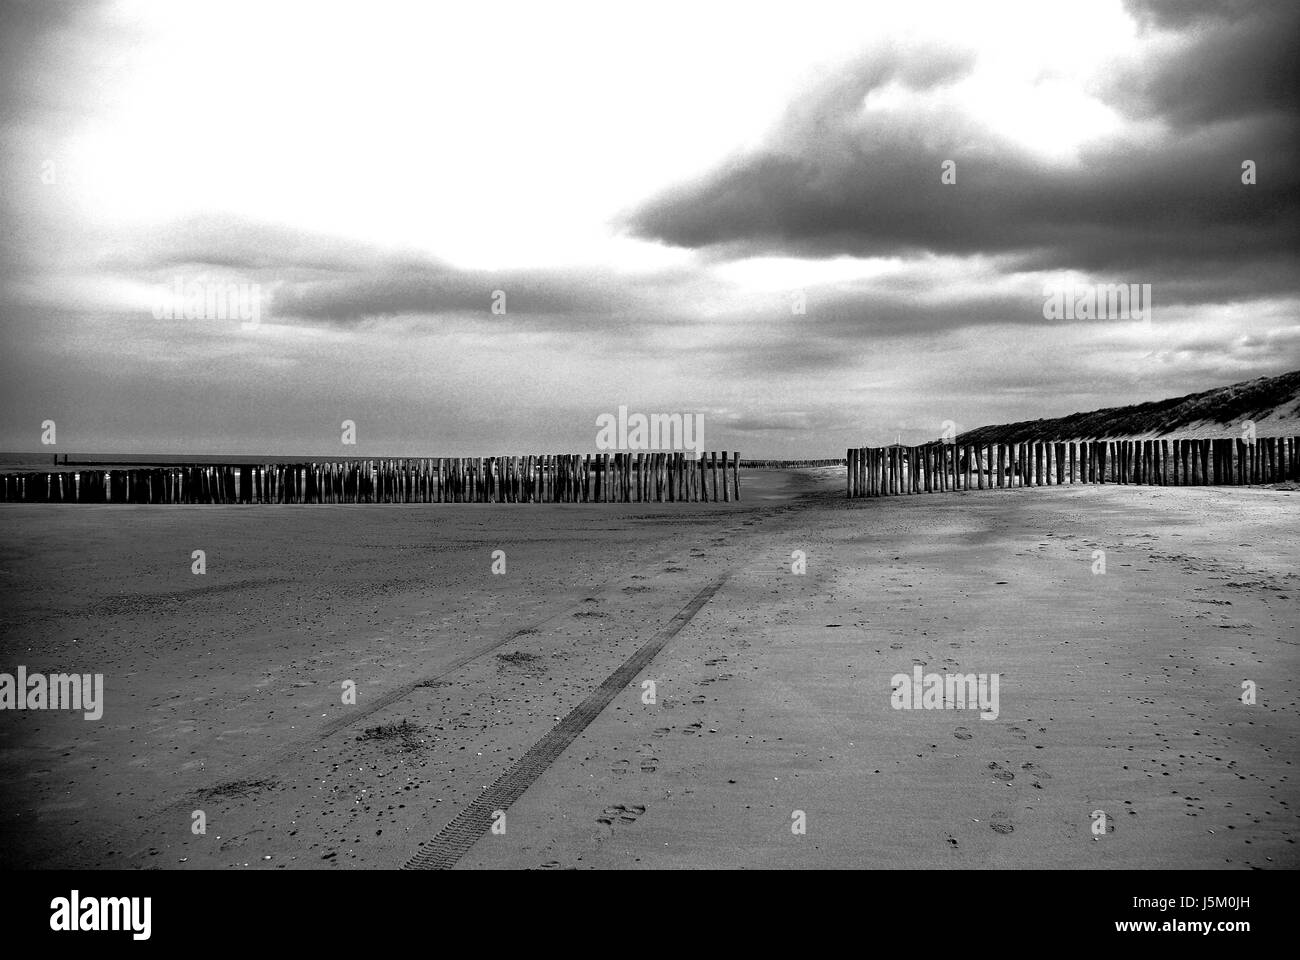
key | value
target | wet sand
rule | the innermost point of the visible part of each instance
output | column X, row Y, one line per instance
column 1119, row 692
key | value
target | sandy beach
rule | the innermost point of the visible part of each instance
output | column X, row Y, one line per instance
column 1120, row 692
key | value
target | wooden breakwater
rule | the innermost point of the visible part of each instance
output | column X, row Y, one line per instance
column 558, row 478
column 790, row 464
column 939, row 467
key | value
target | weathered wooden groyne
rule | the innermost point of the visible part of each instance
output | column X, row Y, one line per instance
column 557, row 478
column 790, row 464
column 938, row 467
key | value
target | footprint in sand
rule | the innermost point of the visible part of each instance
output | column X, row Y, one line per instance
column 699, row 700
column 649, row 764
column 962, row 733
column 715, row 661
column 999, row 773
column 621, row 813
column 1038, row 775
column 694, row 728
column 619, row 767
column 895, row 646
column 663, row 731
column 999, row 822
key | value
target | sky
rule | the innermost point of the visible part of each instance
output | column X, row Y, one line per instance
column 473, row 229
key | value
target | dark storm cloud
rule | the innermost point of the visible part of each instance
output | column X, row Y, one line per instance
column 1240, row 62
column 836, row 179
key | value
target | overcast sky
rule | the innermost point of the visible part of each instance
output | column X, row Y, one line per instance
column 657, row 190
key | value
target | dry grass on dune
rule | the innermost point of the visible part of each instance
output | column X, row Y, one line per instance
column 1273, row 402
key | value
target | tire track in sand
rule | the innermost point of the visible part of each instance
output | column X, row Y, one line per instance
column 454, row 840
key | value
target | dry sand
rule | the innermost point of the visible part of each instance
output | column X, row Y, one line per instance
column 1119, row 692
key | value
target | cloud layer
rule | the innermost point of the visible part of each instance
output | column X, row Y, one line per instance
column 816, row 284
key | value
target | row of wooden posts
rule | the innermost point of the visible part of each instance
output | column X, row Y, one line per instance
column 937, row 467
column 560, row 478
column 790, row 464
